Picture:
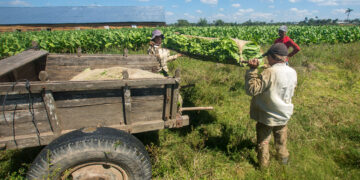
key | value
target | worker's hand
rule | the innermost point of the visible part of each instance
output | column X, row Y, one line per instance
column 253, row 63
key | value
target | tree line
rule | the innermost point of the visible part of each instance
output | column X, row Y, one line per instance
column 307, row 21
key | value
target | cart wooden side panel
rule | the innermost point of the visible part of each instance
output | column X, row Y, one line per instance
column 62, row 67
column 60, row 107
column 25, row 65
column 34, row 112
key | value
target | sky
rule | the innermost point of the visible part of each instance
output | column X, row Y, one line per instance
column 227, row 10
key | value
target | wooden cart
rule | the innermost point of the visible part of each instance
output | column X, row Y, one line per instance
column 40, row 106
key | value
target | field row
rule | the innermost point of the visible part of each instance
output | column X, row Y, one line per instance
column 93, row 41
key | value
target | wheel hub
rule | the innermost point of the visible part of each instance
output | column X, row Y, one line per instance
column 96, row 171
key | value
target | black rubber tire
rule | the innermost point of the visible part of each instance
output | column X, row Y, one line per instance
column 102, row 145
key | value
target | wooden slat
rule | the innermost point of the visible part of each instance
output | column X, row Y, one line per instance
column 88, row 102
column 11, row 63
column 58, row 86
column 21, row 101
column 93, row 115
column 64, row 67
column 127, row 100
column 28, row 140
column 51, row 111
column 31, row 140
column 87, row 98
column 167, row 103
column 22, row 122
column 90, row 57
column 175, row 94
column 146, row 108
column 24, row 128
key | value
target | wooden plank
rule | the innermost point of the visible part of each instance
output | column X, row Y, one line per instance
column 87, row 98
column 88, row 102
column 21, row 101
column 21, row 121
column 102, row 57
column 51, row 112
column 146, row 108
column 196, row 108
column 11, row 63
column 24, row 128
column 31, row 140
column 53, row 64
column 147, row 91
column 64, row 67
column 127, row 100
column 175, row 94
column 167, row 103
column 93, row 115
column 58, row 86
column 22, row 115
column 180, row 121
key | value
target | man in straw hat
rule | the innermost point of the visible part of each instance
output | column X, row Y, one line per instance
column 271, row 105
column 162, row 54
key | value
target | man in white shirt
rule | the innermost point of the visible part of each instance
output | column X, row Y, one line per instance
column 271, row 105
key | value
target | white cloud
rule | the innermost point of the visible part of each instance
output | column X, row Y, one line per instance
column 243, row 11
column 261, row 16
column 169, row 13
column 174, row 6
column 190, row 17
column 325, row 2
column 187, row 1
column 302, row 12
column 349, row 2
column 272, row 6
column 314, row 11
column 338, row 11
column 237, row 5
column 216, row 17
column 198, row 11
column 267, row 1
column 219, row 15
column 221, row 9
column 209, row 1
column 294, row 1
column 355, row 15
column 18, row 3
column 93, row 5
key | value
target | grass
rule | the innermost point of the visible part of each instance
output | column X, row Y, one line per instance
column 323, row 137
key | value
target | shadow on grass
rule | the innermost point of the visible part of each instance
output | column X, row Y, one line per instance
column 148, row 138
column 17, row 161
column 242, row 147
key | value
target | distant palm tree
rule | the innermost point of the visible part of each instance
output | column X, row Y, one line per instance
column 348, row 11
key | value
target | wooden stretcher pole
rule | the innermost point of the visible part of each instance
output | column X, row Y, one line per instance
column 196, row 108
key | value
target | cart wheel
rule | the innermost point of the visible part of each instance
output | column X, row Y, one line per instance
column 101, row 153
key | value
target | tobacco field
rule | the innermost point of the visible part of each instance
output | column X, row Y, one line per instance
column 222, row 49
column 324, row 131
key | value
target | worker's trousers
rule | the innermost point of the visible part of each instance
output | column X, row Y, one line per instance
column 263, row 133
